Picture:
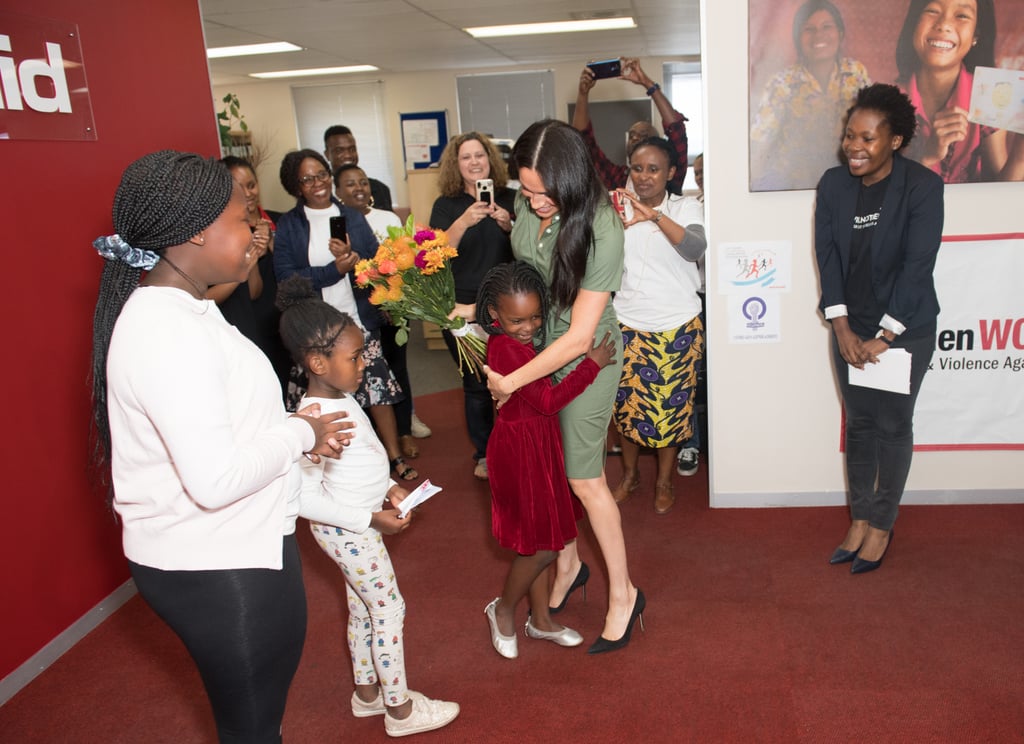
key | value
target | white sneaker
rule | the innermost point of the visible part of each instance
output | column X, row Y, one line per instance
column 426, row 715
column 689, row 461
column 419, row 429
column 362, row 709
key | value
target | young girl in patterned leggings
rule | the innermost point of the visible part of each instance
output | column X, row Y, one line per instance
column 343, row 501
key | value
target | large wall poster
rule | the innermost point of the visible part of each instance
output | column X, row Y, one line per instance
column 796, row 123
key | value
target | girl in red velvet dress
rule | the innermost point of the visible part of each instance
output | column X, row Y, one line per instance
column 533, row 511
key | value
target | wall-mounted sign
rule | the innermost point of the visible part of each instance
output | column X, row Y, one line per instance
column 42, row 81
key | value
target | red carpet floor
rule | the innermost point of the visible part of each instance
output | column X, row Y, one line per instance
column 751, row 635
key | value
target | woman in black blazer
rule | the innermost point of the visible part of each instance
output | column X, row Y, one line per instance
column 878, row 225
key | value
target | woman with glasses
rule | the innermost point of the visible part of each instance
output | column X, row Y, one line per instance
column 304, row 246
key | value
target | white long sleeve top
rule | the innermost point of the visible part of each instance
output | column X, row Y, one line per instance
column 347, row 491
column 659, row 286
column 203, row 452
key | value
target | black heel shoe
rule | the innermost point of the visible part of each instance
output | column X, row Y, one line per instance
column 842, row 556
column 862, row 566
column 582, row 577
column 603, row 645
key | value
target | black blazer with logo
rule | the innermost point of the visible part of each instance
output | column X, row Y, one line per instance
column 903, row 248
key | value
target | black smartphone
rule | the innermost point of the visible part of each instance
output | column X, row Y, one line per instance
column 485, row 190
column 607, row 68
column 338, row 228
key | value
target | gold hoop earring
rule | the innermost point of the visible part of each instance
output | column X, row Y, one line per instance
column 371, row 201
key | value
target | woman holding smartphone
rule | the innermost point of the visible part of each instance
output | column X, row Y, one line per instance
column 305, row 245
column 479, row 228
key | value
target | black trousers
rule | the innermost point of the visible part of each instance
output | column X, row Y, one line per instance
column 244, row 628
column 478, row 402
column 880, row 436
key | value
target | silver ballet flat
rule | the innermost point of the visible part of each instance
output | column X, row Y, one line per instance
column 505, row 645
column 564, row 637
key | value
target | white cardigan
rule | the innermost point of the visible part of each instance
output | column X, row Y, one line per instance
column 204, row 454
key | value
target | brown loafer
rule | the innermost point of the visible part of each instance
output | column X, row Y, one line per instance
column 664, row 499
column 623, row 491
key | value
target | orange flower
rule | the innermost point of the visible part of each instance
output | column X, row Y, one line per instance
column 394, row 294
column 379, row 295
column 395, row 281
column 387, row 267
column 404, row 258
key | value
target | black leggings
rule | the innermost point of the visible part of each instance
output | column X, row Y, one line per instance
column 244, row 628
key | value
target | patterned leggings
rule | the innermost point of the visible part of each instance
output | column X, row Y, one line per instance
column 376, row 610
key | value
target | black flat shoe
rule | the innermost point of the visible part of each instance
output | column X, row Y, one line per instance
column 603, row 645
column 862, row 566
column 842, row 556
column 582, row 577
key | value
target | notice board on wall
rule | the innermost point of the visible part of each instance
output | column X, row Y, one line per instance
column 424, row 136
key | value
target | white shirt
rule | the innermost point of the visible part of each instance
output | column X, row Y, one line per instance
column 659, row 287
column 340, row 294
column 380, row 220
column 204, row 454
column 345, row 492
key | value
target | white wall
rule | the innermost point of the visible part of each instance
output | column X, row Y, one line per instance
column 775, row 408
column 775, row 412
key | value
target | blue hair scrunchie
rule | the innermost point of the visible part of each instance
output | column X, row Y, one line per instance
column 113, row 248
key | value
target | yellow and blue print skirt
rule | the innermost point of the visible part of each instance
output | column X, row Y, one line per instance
column 654, row 402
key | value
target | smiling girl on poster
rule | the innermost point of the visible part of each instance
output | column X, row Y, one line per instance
column 941, row 44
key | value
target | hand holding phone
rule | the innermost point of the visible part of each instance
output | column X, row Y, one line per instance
column 339, row 229
column 621, row 203
column 485, row 190
column 607, row 68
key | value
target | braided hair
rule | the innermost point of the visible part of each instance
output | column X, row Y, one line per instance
column 308, row 324
column 164, row 199
column 512, row 278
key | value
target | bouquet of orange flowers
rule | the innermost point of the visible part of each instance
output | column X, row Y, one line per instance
column 411, row 277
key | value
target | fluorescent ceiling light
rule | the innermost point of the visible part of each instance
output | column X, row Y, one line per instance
column 314, row 71
column 241, row 51
column 555, row 27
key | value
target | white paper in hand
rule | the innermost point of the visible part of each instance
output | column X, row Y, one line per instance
column 891, row 372
column 425, row 490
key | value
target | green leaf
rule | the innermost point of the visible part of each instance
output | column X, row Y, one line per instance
column 402, row 336
column 243, row 125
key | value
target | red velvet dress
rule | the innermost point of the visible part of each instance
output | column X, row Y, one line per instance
column 532, row 507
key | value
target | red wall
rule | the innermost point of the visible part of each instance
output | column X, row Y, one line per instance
column 60, row 551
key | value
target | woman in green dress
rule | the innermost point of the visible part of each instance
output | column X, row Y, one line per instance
column 566, row 228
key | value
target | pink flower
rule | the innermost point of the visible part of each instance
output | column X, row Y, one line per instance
column 421, row 260
column 424, row 235
column 387, row 267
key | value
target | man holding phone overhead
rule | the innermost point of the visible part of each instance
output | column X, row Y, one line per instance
column 614, row 176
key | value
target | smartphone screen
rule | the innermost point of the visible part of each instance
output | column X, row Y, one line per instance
column 338, row 228
column 485, row 190
column 608, row 68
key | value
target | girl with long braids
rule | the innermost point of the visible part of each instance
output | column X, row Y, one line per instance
column 202, row 455
column 532, row 510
